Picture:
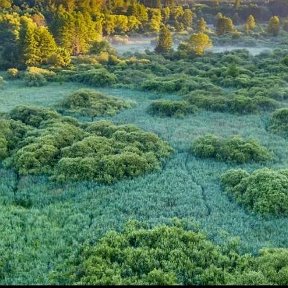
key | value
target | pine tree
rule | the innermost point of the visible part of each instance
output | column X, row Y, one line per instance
column 250, row 23
column 165, row 40
column 27, row 43
column 274, row 26
column 237, row 4
column 202, row 26
column 224, row 25
column 187, row 18
column 45, row 43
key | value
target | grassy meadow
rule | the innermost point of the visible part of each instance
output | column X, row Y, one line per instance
column 38, row 238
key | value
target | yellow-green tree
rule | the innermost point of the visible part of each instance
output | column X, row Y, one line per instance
column 165, row 40
column 196, row 44
column 201, row 26
column 237, row 4
column 224, row 25
column 274, row 26
column 250, row 23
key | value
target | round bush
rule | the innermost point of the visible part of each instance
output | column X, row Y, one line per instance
column 91, row 103
column 233, row 149
column 264, row 191
column 171, row 108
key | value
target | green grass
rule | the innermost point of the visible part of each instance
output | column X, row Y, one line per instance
column 62, row 217
column 16, row 93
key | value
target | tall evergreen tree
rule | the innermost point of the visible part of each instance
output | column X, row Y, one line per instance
column 274, row 26
column 45, row 43
column 224, row 25
column 28, row 43
column 250, row 23
column 165, row 40
column 202, row 26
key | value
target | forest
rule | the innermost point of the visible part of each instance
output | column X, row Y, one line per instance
column 144, row 142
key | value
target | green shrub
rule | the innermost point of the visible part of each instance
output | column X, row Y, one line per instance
column 33, row 116
column 263, row 191
column 234, row 149
column 92, row 103
column 34, row 80
column 164, row 255
column 170, row 255
column 47, row 143
column 96, row 77
column 171, row 108
column 13, row 73
column 279, row 122
column 163, row 85
column 36, row 77
column 239, row 104
column 269, row 268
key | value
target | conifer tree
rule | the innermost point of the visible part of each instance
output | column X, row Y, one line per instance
column 274, row 26
column 224, row 25
column 187, row 18
column 202, row 26
column 250, row 23
column 237, row 4
column 27, row 43
column 165, row 40
column 45, row 43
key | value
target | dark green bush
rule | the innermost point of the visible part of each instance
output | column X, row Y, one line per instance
column 34, row 80
column 163, row 255
column 171, row 255
column 239, row 104
column 38, row 77
column 47, row 143
column 163, row 85
column 234, row 149
column 96, row 77
column 264, row 191
column 91, row 103
column 33, row 116
column 279, row 122
column 171, row 108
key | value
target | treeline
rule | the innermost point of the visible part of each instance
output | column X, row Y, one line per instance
column 46, row 32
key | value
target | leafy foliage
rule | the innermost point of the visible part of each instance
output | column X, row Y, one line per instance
column 263, row 191
column 66, row 150
column 169, row 255
column 234, row 149
column 238, row 104
column 279, row 122
column 163, row 255
column 171, row 108
column 96, row 77
column 92, row 103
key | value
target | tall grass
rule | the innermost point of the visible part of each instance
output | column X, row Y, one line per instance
column 36, row 238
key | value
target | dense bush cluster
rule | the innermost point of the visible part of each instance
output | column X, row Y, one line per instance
column 171, row 108
column 169, row 255
column 279, row 122
column 92, row 103
column 263, row 191
column 233, row 149
column 36, row 77
column 96, row 77
column 235, row 104
column 41, row 141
